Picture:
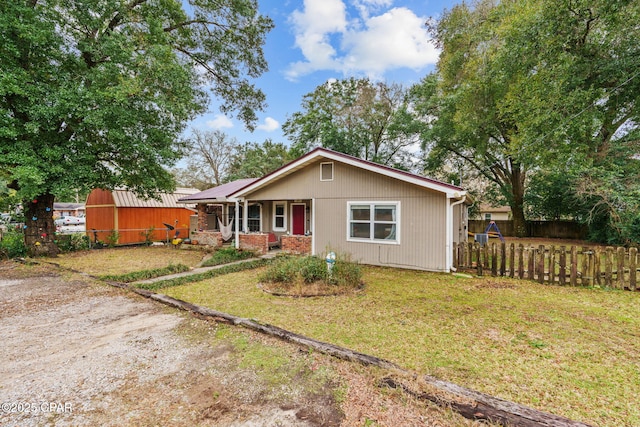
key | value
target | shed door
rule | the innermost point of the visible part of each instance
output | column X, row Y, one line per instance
column 297, row 226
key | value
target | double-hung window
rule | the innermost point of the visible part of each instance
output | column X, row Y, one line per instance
column 279, row 216
column 373, row 222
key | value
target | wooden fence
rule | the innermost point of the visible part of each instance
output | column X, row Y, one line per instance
column 547, row 229
column 575, row 266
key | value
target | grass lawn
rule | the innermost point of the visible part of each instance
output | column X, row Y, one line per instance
column 125, row 260
column 570, row 351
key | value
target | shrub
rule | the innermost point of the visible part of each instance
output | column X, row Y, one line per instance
column 12, row 244
column 146, row 274
column 346, row 273
column 148, row 235
column 311, row 269
column 72, row 242
column 227, row 255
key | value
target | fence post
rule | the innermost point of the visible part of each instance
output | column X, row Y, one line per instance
column 503, row 259
column 531, row 270
column 574, row 265
column 512, row 260
column 584, row 281
column 541, row 257
column 478, row 259
column 633, row 257
column 552, row 265
column 470, row 254
column 494, row 260
column 521, row 261
column 597, row 257
column 562, row 274
column 485, row 256
column 621, row 256
column 608, row 266
column 455, row 255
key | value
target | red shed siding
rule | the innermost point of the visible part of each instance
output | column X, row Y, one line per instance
column 131, row 222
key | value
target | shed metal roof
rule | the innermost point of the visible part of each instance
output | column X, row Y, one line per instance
column 128, row 199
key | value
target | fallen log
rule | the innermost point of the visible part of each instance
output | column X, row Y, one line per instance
column 478, row 406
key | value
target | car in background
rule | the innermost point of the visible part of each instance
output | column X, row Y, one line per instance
column 7, row 222
column 69, row 220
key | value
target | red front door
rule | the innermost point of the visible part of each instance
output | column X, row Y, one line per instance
column 298, row 219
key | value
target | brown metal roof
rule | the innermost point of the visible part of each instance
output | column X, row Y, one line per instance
column 128, row 199
column 218, row 193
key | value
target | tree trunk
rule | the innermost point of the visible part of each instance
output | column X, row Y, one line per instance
column 39, row 233
column 517, row 201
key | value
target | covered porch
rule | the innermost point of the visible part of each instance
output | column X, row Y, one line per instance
column 267, row 224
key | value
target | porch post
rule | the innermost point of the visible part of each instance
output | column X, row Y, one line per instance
column 237, row 221
column 313, row 226
column 245, row 216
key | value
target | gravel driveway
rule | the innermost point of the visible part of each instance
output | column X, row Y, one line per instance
column 80, row 353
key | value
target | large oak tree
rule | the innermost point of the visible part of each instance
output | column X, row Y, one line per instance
column 94, row 93
column 527, row 86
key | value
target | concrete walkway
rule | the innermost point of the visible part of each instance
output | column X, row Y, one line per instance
column 198, row 270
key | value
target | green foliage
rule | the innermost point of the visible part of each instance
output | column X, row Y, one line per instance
column 311, row 269
column 95, row 94
column 148, row 235
column 72, row 242
column 227, row 255
column 112, row 238
column 146, row 274
column 253, row 160
column 356, row 117
column 526, row 87
column 12, row 244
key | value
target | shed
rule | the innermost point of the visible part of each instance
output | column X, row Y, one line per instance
column 121, row 213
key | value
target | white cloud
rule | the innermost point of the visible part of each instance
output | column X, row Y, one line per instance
column 220, row 121
column 313, row 28
column 270, row 124
column 369, row 44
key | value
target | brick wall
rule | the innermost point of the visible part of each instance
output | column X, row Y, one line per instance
column 296, row 244
column 258, row 242
column 209, row 238
column 202, row 216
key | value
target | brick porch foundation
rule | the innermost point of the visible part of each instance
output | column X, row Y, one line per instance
column 300, row 245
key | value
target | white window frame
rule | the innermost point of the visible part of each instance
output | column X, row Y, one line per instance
column 372, row 205
column 332, row 171
column 285, row 222
column 259, row 205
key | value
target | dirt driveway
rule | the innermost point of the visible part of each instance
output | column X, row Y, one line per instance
column 77, row 352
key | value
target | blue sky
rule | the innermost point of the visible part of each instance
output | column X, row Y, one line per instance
column 317, row 40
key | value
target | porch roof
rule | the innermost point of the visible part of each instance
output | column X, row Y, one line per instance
column 219, row 193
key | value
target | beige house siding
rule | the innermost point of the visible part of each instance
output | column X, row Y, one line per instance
column 422, row 214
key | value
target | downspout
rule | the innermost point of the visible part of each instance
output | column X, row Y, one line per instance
column 449, row 245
